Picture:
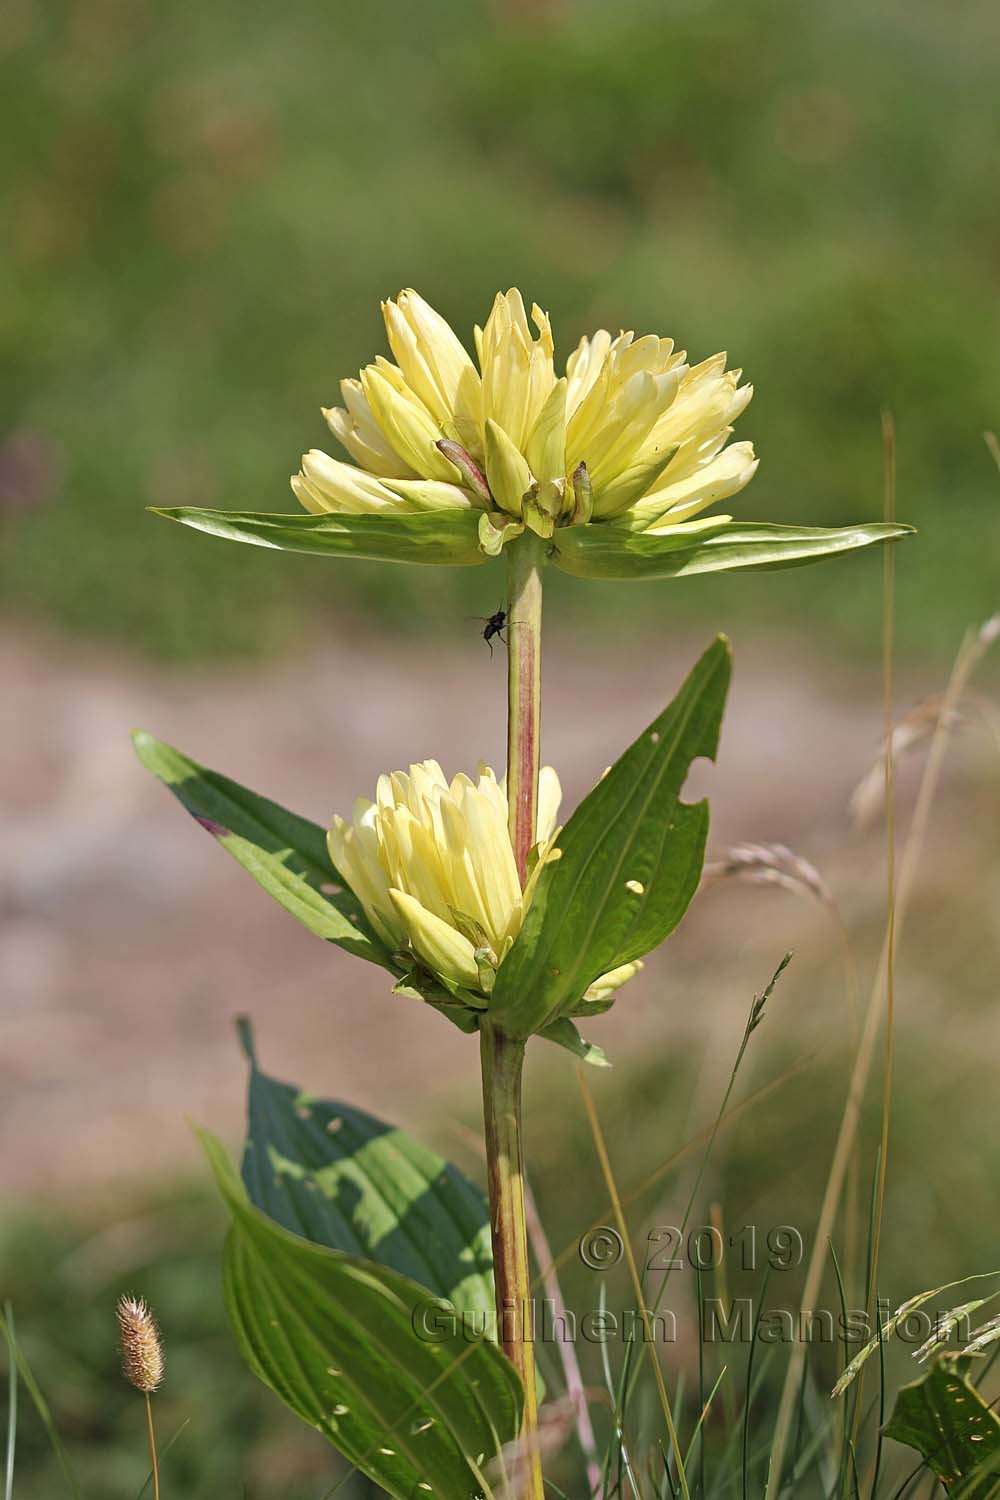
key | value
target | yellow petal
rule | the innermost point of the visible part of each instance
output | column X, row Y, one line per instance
column 355, row 428
column 433, row 360
column 605, row 986
column 406, row 424
column 723, row 476
column 549, row 798
column 506, row 470
column 326, row 484
column 441, row 947
column 365, row 878
column 546, row 446
column 518, row 371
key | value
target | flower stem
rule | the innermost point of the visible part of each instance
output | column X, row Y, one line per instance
column 524, row 678
column 503, row 1056
column 502, row 1062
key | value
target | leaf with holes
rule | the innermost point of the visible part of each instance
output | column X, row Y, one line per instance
column 344, row 1179
column 370, row 1359
column 944, row 1417
column 631, row 858
column 285, row 854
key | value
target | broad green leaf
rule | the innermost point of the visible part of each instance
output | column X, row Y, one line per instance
column 631, row 860
column 945, row 1419
column 608, row 551
column 285, row 854
column 342, row 1178
column 444, row 537
column 336, row 1337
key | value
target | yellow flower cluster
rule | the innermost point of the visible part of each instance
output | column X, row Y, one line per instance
column 432, row 864
column 630, row 432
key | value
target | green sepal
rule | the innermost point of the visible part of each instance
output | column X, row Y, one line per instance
column 564, row 1034
column 487, row 970
column 495, row 530
column 631, row 859
column 336, row 1337
column 604, row 550
column 443, row 538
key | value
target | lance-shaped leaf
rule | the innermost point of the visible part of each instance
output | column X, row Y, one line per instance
column 285, row 854
column 344, row 1179
column 631, row 860
column 447, row 538
column 608, row 551
column 944, row 1418
column 365, row 1355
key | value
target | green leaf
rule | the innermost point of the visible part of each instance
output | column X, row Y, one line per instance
column 344, row 1179
column 285, row 854
column 335, row 1337
column 608, row 551
column 944, row 1417
column 565, row 1034
column 631, row 860
column 443, row 537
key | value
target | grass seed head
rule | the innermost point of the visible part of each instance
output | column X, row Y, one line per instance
column 139, row 1341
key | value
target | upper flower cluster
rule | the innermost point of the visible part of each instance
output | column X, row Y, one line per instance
column 630, row 432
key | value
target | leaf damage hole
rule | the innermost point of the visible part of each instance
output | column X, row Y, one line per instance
column 636, row 887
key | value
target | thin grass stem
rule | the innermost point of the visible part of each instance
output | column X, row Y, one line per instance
column 619, row 1213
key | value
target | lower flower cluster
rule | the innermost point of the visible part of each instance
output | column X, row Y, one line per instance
column 432, row 863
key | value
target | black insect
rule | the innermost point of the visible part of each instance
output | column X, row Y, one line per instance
column 494, row 626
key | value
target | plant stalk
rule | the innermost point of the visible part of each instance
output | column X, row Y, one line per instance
column 502, row 1063
column 503, row 1056
column 524, row 691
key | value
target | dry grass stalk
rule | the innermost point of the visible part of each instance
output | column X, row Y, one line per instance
column 916, row 729
column 769, row 864
column 919, row 727
column 512, row 1465
column 969, row 655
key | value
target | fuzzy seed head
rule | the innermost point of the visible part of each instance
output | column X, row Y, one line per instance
column 139, row 1341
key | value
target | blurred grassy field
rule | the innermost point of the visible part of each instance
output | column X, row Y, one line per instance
column 205, row 204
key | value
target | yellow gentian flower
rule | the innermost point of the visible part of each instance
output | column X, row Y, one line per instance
column 630, row 432
column 432, row 864
column 612, row 462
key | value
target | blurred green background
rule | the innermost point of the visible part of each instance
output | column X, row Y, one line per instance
column 205, row 203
